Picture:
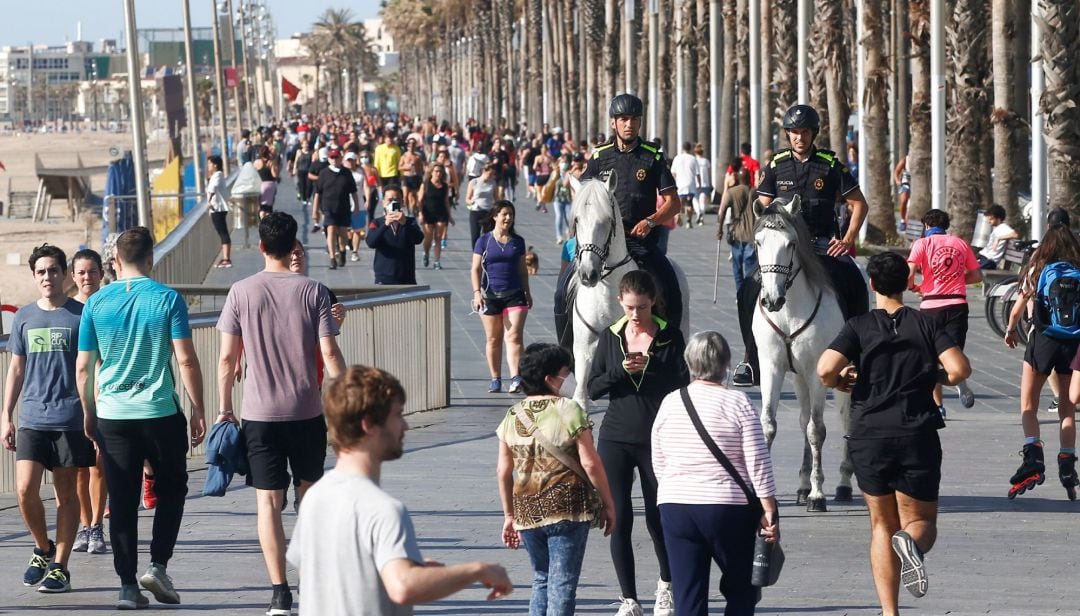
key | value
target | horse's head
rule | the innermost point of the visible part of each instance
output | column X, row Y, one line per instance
column 776, row 234
column 597, row 225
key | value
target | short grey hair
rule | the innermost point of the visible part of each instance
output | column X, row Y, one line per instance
column 708, row 356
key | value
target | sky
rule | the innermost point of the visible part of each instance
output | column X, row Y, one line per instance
column 55, row 21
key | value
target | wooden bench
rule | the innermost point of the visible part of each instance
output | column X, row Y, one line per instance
column 1016, row 254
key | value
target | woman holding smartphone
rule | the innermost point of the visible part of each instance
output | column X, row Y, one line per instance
column 638, row 361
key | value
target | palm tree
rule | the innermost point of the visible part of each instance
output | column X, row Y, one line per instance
column 1005, row 119
column 918, row 154
column 1061, row 57
column 768, row 100
column 968, row 65
column 727, row 90
column 881, row 228
column 836, row 70
column 785, row 58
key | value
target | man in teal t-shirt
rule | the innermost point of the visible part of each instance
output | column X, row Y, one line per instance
column 135, row 326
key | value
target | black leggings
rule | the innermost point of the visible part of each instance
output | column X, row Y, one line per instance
column 304, row 187
column 124, row 445
column 221, row 225
column 620, row 460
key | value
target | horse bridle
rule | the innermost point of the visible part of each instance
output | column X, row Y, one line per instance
column 776, row 268
column 786, row 270
column 602, row 251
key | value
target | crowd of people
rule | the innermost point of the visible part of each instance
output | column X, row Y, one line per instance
column 99, row 409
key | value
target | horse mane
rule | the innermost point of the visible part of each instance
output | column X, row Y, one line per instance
column 591, row 190
column 776, row 217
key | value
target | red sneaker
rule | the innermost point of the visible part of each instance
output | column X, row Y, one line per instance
column 149, row 497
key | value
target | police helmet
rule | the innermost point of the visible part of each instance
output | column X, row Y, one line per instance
column 626, row 105
column 802, row 116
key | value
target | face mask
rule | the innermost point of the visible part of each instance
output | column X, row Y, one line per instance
column 564, row 166
column 568, row 387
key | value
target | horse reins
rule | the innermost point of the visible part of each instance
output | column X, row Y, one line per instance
column 774, row 268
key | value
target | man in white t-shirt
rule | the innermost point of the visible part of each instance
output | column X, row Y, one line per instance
column 685, row 169
column 354, row 544
column 1001, row 233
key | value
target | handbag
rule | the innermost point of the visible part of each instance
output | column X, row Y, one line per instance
column 768, row 557
column 595, row 506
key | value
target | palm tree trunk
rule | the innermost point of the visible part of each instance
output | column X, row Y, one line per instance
column 786, row 46
column 830, row 17
column 664, row 74
column 593, row 33
column 691, row 81
column 768, row 101
column 878, row 189
column 611, row 48
column 742, row 31
column 818, row 94
column 727, row 90
column 1004, row 117
column 641, row 25
column 918, row 161
column 573, row 72
column 1061, row 62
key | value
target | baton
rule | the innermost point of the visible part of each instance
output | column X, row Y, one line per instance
column 716, row 275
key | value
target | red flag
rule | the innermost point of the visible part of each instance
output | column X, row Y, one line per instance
column 231, row 80
column 2, row 167
column 289, row 89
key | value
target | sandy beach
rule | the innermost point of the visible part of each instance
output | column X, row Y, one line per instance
column 19, row 236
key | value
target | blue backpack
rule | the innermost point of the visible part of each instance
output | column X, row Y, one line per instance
column 1059, row 292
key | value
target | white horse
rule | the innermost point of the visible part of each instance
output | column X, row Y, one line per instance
column 602, row 261
column 795, row 320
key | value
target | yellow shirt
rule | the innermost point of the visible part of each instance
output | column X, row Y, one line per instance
column 387, row 158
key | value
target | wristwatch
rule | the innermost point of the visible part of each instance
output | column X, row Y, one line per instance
column 651, row 223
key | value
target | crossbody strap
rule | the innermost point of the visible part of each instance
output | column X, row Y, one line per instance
column 751, row 496
column 550, row 447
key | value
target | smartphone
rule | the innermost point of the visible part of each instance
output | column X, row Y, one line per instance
column 633, row 355
column 393, row 206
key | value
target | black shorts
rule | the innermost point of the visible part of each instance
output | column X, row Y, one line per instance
column 337, row 218
column 272, row 444
column 953, row 319
column 432, row 217
column 907, row 464
column 55, row 448
column 1048, row 354
column 504, row 302
column 411, row 182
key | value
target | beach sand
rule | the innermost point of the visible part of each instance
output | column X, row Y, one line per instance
column 18, row 235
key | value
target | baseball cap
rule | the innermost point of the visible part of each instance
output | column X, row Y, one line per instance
column 351, row 156
column 334, row 153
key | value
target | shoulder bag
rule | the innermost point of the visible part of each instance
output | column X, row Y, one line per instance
column 595, row 504
column 768, row 557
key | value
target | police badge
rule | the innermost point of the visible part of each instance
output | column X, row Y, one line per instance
column 641, row 175
column 819, row 183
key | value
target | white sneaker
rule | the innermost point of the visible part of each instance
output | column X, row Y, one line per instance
column 665, row 603
column 967, row 397
column 629, row 607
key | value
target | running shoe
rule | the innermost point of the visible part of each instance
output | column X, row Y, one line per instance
column 82, row 540
column 665, row 602
column 967, row 397
column 496, row 386
column 97, row 540
column 515, row 385
column 912, row 571
column 131, row 598
column 443, row 244
column 280, row 604
column 437, row 265
column 57, row 580
column 160, row 585
column 39, row 565
column 629, row 607
column 355, row 256
column 427, row 260
column 341, row 259
column 333, row 263
column 1053, row 406
column 149, row 496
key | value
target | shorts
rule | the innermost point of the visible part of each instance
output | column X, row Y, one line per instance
column 687, row 195
column 1047, row 354
column 432, row 217
column 359, row 221
column 542, row 180
column 55, row 448
column 531, row 179
column 271, row 444
column 953, row 319
column 337, row 218
column 508, row 301
column 411, row 182
column 907, row 464
column 904, row 188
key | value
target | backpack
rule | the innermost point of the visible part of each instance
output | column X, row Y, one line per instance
column 1059, row 291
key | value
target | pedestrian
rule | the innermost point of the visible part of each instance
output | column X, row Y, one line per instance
column 564, row 195
column 547, row 507
column 902, row 179
column 337, row 197
column 136, row 327
column 411, row 167
column 480, row 197
column 358, row 217
column 704, row 183
column 889, row 360
column 684, row 168
column 705, row 514
column 219, row 208
column 299, row 168
column 394, row 241
column 387, row 159
column 544, row 166
column 354, row 545
column 1000, row 234
column 737, row 202
column 271, row 315
column 87, row 272
column 42, row 372
column 948, row 265
column 1052, row 347
column 435, row 212
column 501, row 295
column 267, row 164
column 638, row 361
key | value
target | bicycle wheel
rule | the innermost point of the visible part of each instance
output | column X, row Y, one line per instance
column 997, row 316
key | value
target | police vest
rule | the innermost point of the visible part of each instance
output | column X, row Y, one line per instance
column 816, row 181
column 637, row 178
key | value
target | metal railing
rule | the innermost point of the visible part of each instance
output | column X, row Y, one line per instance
column 405, row 332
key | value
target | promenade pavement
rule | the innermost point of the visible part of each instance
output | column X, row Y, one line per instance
column 993, row 556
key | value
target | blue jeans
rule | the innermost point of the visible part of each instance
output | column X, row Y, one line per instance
column 556, row 552
column 743, row 261
column 562, row 219
column 662, row 234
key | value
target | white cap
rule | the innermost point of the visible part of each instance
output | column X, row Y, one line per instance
column 557, row 129
column 351, row 156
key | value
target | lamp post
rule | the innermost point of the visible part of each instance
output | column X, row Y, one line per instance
column 219, row 96
column 138, row 131
column 193, row 120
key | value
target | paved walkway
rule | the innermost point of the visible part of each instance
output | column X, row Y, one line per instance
column 993, row 556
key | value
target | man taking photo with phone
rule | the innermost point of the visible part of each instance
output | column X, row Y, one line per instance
column 394, row 241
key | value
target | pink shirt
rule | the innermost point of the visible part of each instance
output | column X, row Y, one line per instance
column 944, row 260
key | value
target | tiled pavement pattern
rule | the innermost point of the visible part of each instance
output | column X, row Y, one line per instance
column 994, row 556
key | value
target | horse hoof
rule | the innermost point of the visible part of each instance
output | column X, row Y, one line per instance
column 801, row 496
column 843, row 494
column 816, row 505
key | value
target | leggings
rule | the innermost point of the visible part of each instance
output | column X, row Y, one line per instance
column 124, row 445
column 221, row 225
column 620, row 460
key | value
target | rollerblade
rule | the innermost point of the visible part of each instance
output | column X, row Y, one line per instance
column 1067, row 472
column 1032, row 471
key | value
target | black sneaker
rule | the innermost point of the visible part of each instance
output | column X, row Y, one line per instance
column 912, row 571
column 56, row 580
column 333, row 263
column 743, row 375
column 280, row 604
column 39, row 565
column 341, row 259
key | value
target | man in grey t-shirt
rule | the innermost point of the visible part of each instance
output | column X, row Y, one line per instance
column 354, row 544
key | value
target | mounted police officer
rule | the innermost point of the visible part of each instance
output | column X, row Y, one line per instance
column 821, row 180
column 640, row 173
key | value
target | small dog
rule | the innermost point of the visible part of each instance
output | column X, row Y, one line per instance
column 532, row 262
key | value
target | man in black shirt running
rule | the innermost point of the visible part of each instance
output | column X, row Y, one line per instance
column 337, row 197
